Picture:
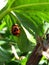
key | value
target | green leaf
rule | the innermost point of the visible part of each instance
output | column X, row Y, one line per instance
column 2, row 42
column 4, row 55
column 34, row 5
column 29, row 5
column 13, row 63
column 2, row 26
column 31, row 22
column 23, row 61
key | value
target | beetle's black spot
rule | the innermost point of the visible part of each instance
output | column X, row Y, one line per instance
column 16, row 29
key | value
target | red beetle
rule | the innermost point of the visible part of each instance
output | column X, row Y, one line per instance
column 15, row 29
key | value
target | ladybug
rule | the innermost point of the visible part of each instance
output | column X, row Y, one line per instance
column 15, row 30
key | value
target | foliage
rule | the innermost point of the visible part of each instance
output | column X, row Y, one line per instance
column 31, row 16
